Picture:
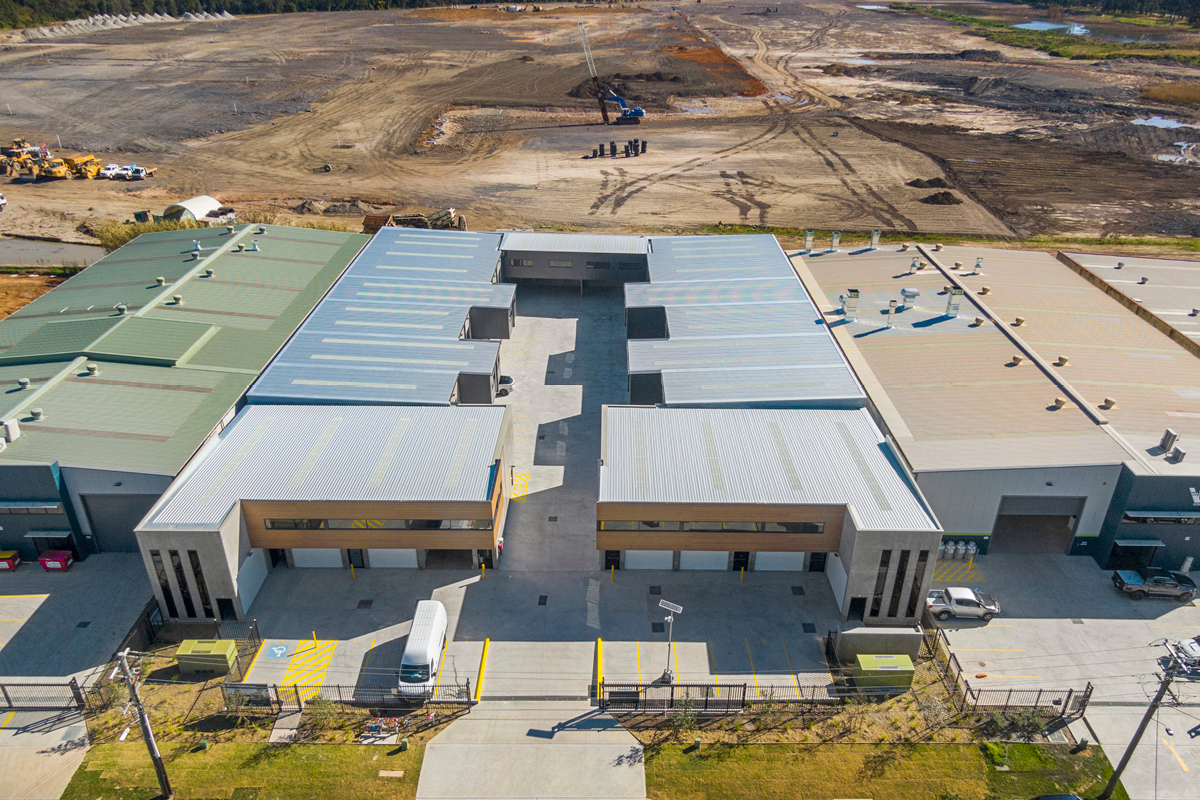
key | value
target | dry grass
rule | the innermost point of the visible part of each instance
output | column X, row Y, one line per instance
column 1177, row 93
column 18, row 291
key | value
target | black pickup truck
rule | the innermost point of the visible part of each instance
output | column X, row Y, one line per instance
column 1153, row 581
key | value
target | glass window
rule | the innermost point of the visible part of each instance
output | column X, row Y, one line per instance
column 177, row 565
column 561, row 263
column 898, row 584
column 201, row 586
column 164, row 583
column 629, row 265
column 793, row 527
column 599, row 265
column 414, row 673
column 740, row 526
column 616, row 525
column 914, row 596
column 520, row 262
column 885, row 559
column 294, row 524
column 1158, row 520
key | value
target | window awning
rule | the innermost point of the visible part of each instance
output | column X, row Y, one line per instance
column 48, row 535
column 1164, row 514
column 1139, row 543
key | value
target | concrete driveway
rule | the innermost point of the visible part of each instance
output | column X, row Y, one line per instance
column 1064, row 625
column 39, row 752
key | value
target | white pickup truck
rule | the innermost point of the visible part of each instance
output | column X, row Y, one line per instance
column 958, row 601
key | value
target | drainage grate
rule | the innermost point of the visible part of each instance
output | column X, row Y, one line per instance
column 543, row 436
column 83, row 625
column 1076, row 621
column 553, row 519
column 655, row 590
column 658, row 627
column 365, row 603
column 798, row 591
column 808, row 627
column 542, row 598
column 550, row 371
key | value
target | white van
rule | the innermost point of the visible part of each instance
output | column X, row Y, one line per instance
column 423, row 653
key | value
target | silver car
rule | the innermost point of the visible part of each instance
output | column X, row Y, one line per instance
column 959, row 601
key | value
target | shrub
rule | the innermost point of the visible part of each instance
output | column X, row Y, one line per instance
column 113, row 234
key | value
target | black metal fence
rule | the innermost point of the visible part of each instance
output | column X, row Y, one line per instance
column 263, row 699
column 662, row 698
column 43, row 697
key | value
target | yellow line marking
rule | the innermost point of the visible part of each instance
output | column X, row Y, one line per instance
column 675, row 652
column 520, row 487
column 638, row 650
column 984, row 650
column 8, row 719
column 309, row 665
column 14, row 596
column 1175, row 626
column 1175, row 753
column 752, row 672
column 789, row 663
column 482, row 664
column 261, row 647
column 712, row 662
column 367, row 660
column 990, row 675
column 441, row 665
column 11, row 619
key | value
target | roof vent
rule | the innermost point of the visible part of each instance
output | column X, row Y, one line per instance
column 835, row 242
column 849, row 302
column 209, row 273
column 1120, row 265
column 978, row 265
column 891, row 313
column 910, row 297
column 262, row 230
column 35, row 413
column 1059, row 402
column 985, row 290
column 161, row 281
column 1179, row 454
column 922, row 265
column 1144, row 280
column 1109, row 402
column 979, row 321
column 957, row 265
column 1169, row 438
column 229, row 229
column 195, row 245
column 1062, row 361
column 1195, row 312
column 1019, row 321
column 874, row 240
column 177, row 299
column 912, row 267
column 903, row 247
column 953, row 299
column 1016, row 360
column 12, row 430
column 122, row 308
column 93, row 369
column 938, row 247
column 254, row 245
column 23, row 383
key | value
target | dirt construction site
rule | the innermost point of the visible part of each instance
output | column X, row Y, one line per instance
column 825, row 115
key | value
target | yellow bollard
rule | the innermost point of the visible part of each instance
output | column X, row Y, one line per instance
column 742, row 577
column 352, row 573
column 482, row 665
column 314, row 636
column 612, row 574
column 483, row 572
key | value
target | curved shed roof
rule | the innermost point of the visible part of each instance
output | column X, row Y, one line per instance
column 197, row 206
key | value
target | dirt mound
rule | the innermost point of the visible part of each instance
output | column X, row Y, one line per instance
column 310, row 207
column 962, row 55
column 941, row 199
column 350, row 209
column 932, row 183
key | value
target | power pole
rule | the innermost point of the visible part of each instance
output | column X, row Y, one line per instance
column 164, row 784
column 1163, row 685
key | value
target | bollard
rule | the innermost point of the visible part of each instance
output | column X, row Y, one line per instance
column 696, row 743
column 404, row 744
column 742, row 577
column 352, row 573
column 612, row 574
column 483, row 572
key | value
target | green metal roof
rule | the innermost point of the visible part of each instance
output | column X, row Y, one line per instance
column 168, row 371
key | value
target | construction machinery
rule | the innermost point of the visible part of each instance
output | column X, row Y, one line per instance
column 82, row 166
column 603, row 95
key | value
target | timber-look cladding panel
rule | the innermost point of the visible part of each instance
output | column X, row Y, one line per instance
column 254, row 512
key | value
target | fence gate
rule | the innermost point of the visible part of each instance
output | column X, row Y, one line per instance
column 42, row 697
column 663, row 698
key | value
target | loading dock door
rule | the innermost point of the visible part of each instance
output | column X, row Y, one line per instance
column 1035, row 524
column 113, row 518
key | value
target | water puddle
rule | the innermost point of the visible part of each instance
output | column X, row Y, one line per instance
column 1161, row 122
column 1039, row 25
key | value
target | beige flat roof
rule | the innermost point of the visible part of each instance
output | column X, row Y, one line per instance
column 947, row 387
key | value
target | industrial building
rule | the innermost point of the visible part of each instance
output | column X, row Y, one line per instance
column 1041, row 404
column 114, row 379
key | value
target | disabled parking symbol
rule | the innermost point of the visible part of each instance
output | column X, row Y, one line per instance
column 277, row 651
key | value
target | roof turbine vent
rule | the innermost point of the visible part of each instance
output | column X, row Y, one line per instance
column 177, row 299
column 121, row 309
column 1016, row 360
column 1062, row 361
column 22, row 383
column 1059, row 402
column 161, row 281
column 1109, row 402
column 36, row 414
column 92, row 369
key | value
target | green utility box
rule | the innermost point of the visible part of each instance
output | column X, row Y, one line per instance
column 877, row 672
column 206, row 657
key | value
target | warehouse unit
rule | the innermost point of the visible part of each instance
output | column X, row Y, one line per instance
column 412, row 322
column 115, row 378
column 778, row 489
column 1032, row 404
column 367, row 486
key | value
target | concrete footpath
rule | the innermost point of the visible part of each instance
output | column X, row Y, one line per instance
column 533, row 749
column 39, row 752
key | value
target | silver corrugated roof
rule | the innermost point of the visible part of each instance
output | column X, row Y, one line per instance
column 388, row 331
column 519, row 241
column 761, row 456
column 741, row 328
column 350, row 453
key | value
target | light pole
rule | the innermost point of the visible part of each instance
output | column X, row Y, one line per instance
column 668, row 676
column 164, row 785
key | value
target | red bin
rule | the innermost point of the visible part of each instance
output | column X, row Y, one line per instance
column 60, row 560
column 9, row 559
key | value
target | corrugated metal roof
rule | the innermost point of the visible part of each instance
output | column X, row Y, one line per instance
column 523, row 242
column 388, row 332
column 1171, row 290
column 150, row 416
column 741, row 328
column 351, row 453
column 760, row 456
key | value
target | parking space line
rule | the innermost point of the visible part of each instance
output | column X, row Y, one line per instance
column 752, row 672
column 712, row 663
column 983, row 650
column 8, row 719
column 991, row 675
column 441, row 666
column 310, row 664
column 262, row 646
column 789, row 663
column 637, row 648
column 675, row 652
column 1175, row 753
